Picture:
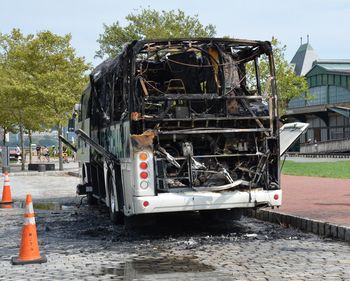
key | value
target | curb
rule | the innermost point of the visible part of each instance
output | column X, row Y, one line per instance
column 321, row 228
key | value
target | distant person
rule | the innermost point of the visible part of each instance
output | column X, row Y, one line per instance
column 45, row 152
column 18, row 153
column 38, row 150
column 18, row 150
column 316, row 146
column 54, row 151
column 65, row 155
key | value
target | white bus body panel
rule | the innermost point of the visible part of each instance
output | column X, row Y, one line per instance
column 128, row 183
column 195, row 201
column 289, row 133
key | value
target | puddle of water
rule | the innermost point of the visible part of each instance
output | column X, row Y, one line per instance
column 47, row 206
column 161, row 265
column 55, row 206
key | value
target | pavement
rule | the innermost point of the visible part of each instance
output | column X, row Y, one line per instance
column 324, row 199
column 51, row 188
column 81, row 244
column 320, row 159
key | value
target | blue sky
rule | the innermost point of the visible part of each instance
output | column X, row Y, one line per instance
column 326, row 21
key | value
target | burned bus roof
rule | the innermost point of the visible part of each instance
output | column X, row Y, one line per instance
column 138, row 45
column 113, row 64
column 232, row 41
column 104, row 67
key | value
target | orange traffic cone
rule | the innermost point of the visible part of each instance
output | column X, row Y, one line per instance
column 6, row 192
column 29, row 252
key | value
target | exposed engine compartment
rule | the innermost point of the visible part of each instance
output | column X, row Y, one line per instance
column 207, row 113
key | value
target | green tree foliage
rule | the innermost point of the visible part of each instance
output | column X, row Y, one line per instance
column 7, row 122
column 151, row 24
column 41, row 79
column 59, row 74
column 289, row 85
column 17, row 91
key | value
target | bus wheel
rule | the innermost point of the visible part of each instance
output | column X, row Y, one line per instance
column 116, row 217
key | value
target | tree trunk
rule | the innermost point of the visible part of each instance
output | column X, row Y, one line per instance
column 21, row 133
column 30, row 145
column 4, row 137
column 60, row 148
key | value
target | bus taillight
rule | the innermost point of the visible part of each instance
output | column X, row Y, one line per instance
column 143, row 165
column 144, row 175
column 144, row 184
column 143, row 156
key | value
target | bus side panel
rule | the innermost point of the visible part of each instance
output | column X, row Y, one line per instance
column 128, row 186
column 83, row 153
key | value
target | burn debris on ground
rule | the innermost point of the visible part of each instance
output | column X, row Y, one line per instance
column 183, row 231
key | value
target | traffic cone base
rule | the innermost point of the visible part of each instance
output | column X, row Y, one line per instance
column 17, row 261
column 6, row 195
column 6, row 206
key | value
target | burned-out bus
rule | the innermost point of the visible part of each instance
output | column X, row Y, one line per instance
column 182, row 125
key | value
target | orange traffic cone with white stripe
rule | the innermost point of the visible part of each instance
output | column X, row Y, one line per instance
column 6, row 192
column 29, row 252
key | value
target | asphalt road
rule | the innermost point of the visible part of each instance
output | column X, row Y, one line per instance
column 81, row 244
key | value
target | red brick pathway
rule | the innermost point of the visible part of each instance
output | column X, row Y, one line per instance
column 324, row 199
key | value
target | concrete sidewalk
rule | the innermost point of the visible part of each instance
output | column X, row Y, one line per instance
column 52, row 188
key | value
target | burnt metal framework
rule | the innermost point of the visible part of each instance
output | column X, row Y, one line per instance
column 210, row 121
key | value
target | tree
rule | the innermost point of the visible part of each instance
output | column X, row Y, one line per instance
column 7, row 122
column 16, row 88
column 59, row 77
column 289, row 85
column 151, row 24
column 43, row 79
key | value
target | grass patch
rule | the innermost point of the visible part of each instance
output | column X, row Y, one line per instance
column 339, row 169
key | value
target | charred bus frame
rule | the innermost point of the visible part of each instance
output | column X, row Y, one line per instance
column 203, row 115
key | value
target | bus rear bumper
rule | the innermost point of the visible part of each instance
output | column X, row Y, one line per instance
column 195, row 201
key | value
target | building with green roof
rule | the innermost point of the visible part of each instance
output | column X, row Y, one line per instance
column 328, row 108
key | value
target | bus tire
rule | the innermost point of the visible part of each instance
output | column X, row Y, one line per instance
column 116, row 216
